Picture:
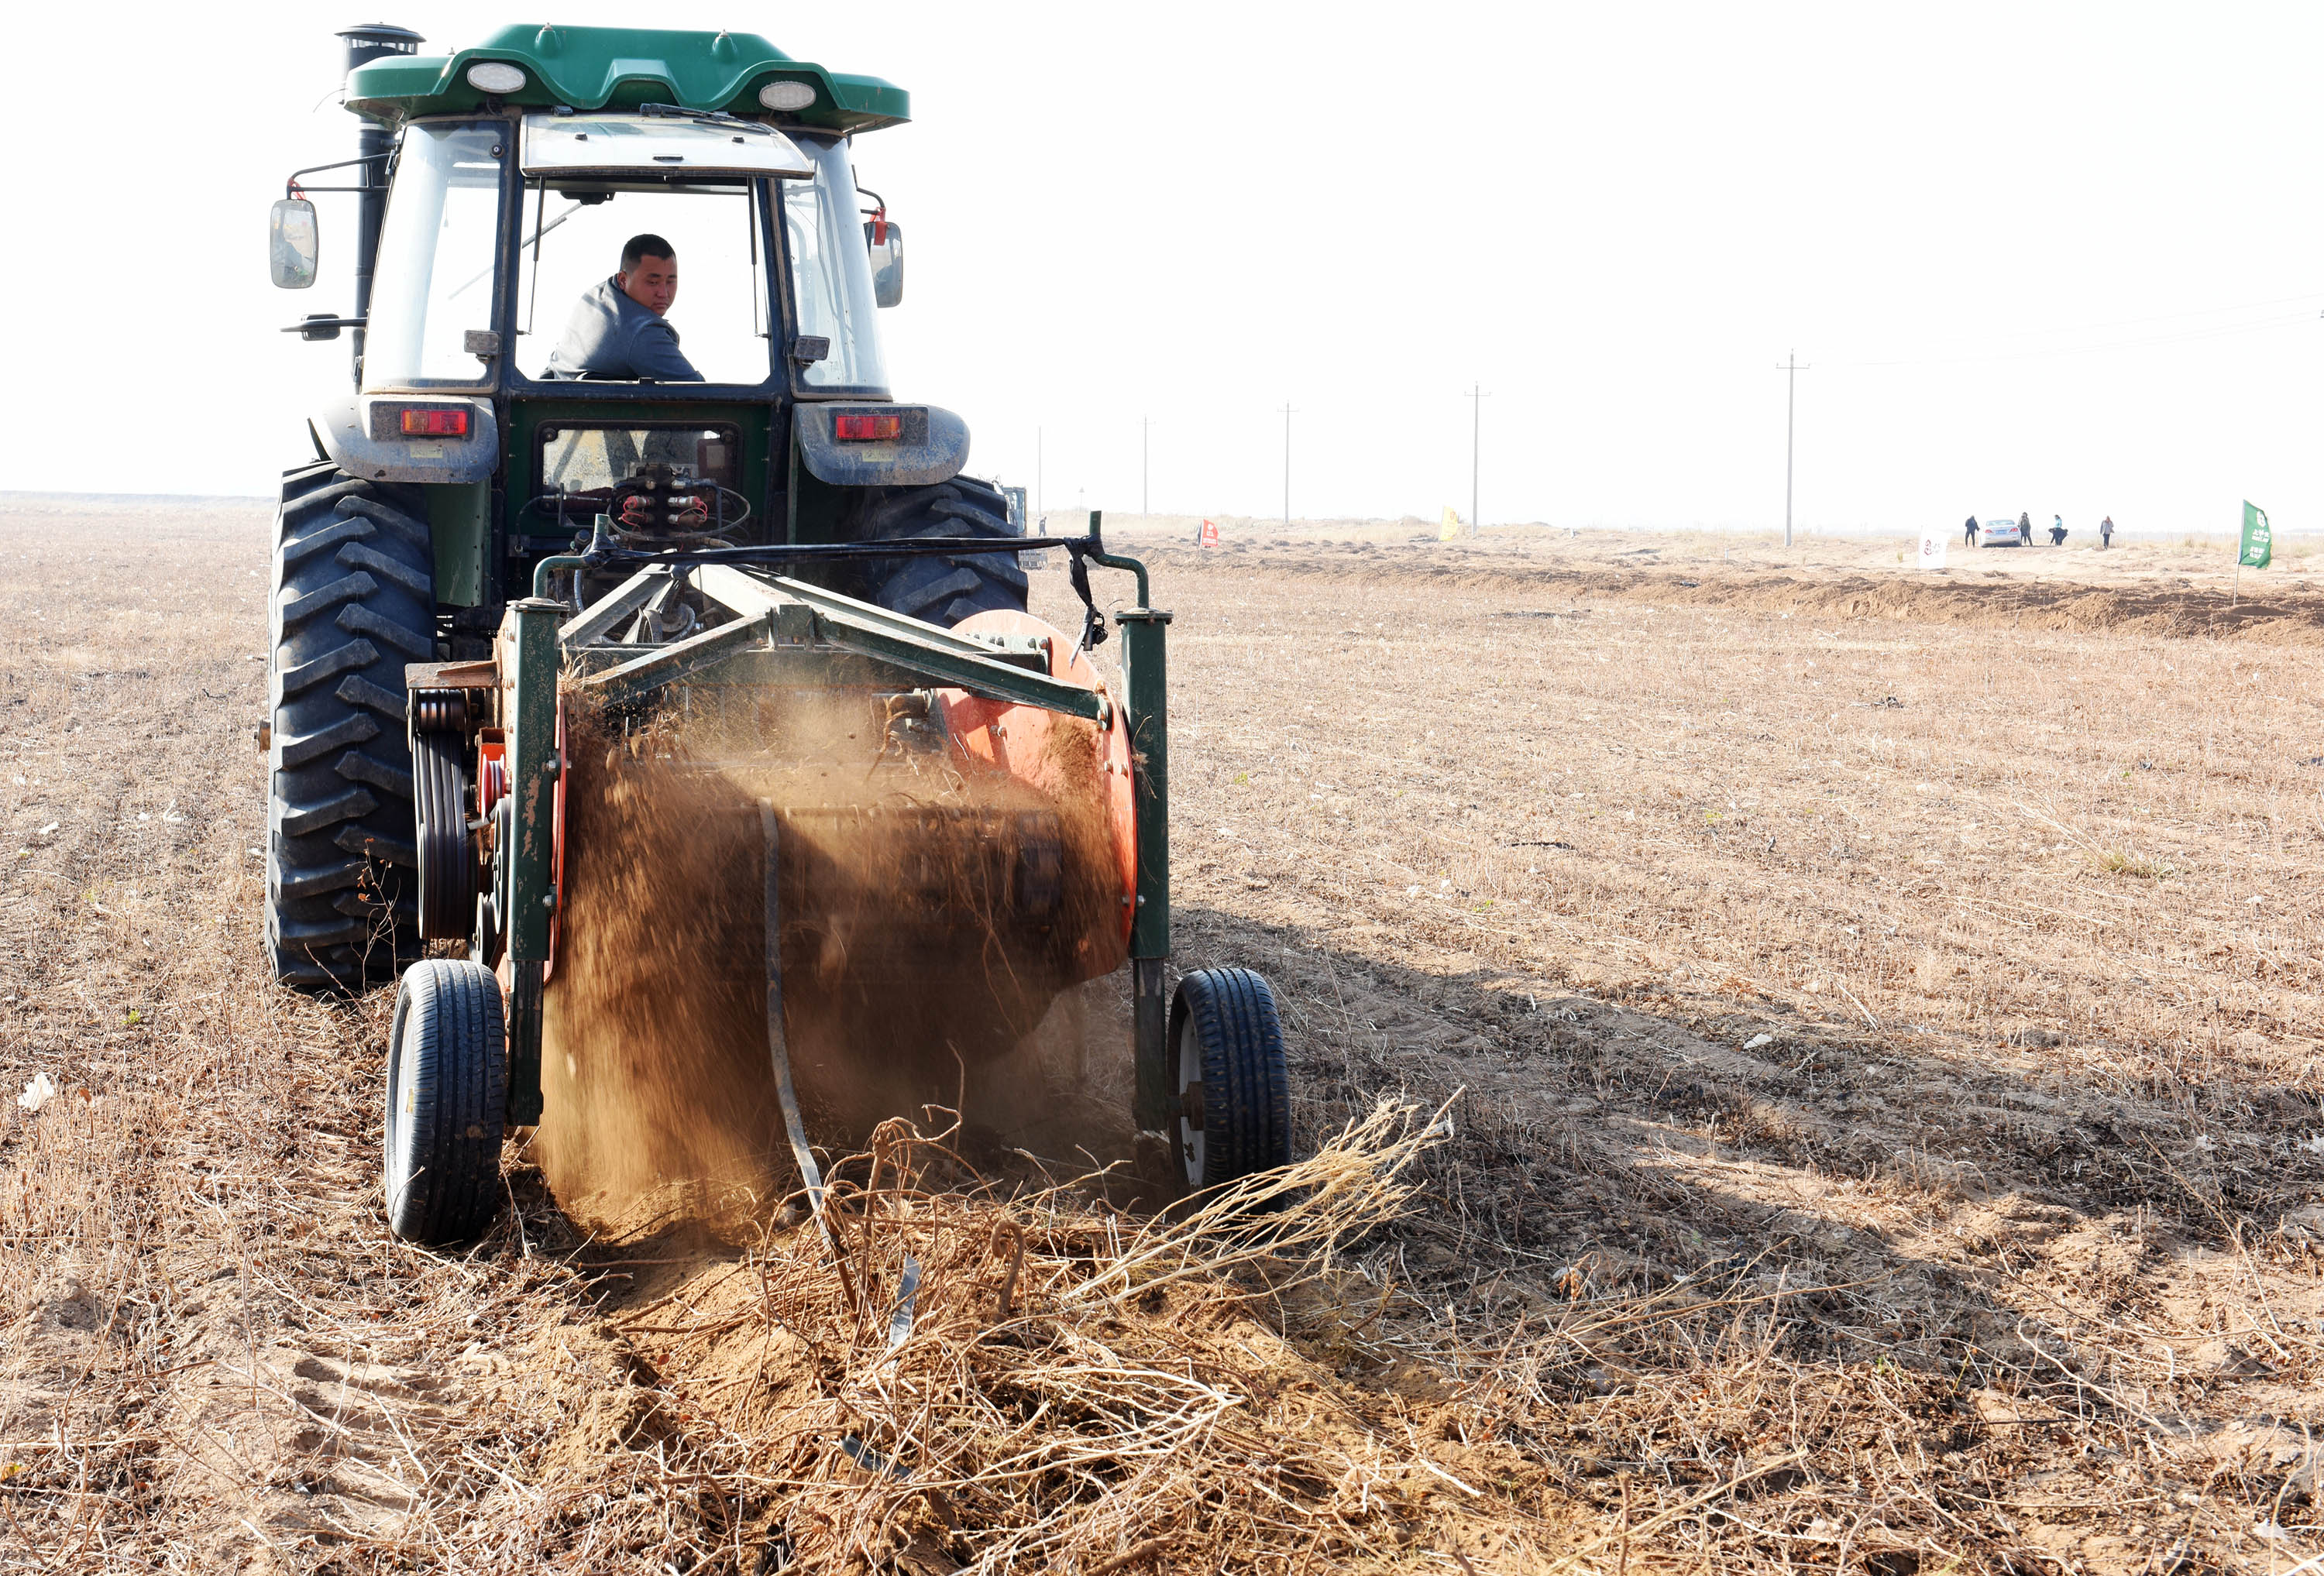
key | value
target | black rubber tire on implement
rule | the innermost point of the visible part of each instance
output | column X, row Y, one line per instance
column 353, row 600
column 447, row 1099
column 1223, row 1021
column 941, row 589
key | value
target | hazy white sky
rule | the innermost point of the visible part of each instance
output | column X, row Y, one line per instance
column 2053, row 258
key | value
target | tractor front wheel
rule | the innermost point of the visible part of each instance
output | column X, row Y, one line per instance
column 1234, row 1095
column 447, row 1101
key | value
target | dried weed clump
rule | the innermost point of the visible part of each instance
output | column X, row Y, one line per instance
column 986, row 1379
column 2125, row 861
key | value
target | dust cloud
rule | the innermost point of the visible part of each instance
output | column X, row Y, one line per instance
column 939, row 932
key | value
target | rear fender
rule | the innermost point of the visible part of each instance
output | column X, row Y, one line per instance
column 931, row 447
column 350, row 428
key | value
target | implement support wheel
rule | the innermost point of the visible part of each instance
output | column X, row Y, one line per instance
column 1235, row 1096
column 446, row 1100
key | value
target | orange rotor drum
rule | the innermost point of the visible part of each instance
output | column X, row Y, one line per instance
column 1038, row 748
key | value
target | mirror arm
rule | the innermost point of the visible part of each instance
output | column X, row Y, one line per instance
column 290, row 183
column 322, row 326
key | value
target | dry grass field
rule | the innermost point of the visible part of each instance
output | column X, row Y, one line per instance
column 1879, row 1015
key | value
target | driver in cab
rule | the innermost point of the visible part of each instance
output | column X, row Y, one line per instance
column 618, row 328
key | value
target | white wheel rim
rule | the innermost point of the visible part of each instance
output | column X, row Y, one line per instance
column 1191, row 1152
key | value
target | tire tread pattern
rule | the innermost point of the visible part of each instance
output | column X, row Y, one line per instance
column 939, row 589
column 353, row 600
column 448, row 1041
column 1246, row 1088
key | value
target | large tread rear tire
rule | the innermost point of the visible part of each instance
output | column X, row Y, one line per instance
column 354, row 600
column 939, row 588
column 446, row 1103
column 1224, row 1022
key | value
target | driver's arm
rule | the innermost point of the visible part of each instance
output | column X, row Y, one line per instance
column 653, row 353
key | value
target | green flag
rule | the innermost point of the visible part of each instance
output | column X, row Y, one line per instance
column 2257, row 546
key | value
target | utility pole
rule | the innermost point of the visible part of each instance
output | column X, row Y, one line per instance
column 1286, row 464
column 1476, row 430
column 1041, row 458
column 1145, row 465
column 1791, row 369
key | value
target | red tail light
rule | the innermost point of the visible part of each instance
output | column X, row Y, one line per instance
column 435, row 424
column 865, row 428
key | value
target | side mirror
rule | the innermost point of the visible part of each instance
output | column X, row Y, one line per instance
column 887, row 259
column 292, row 243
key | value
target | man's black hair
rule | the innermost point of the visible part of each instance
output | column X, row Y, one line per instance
column 644, row 247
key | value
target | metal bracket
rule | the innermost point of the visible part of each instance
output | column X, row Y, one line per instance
column 778, row 1038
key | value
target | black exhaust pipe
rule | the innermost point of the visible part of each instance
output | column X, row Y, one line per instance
column 369, row 42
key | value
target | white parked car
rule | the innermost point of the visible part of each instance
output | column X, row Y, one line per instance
column 2001, row 533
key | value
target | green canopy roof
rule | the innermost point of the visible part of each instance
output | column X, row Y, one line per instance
column 621, row 68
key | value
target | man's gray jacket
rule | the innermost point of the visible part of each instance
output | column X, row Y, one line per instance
column 610, row 336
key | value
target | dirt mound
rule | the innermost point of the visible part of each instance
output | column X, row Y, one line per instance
column 930, row 922
column 1966, row 597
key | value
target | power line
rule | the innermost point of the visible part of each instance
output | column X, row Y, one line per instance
column 1791, row 369
column 1477, row 397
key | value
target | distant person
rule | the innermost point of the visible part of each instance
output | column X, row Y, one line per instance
column 619, row 329
column 1969, row 531
column 2057, row 531
column 2105, row 533
column 2026, row 531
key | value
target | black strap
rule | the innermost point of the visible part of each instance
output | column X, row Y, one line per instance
column 1093, row 629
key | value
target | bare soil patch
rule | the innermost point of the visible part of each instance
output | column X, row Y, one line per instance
column 1888, row 1134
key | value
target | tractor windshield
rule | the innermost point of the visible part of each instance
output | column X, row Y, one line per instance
column 570, row 248
column 831, row 273
column 439, row 274
column 437, row 248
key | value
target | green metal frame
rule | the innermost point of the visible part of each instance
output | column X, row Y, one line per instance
column 794, row 635
column 459, row 527
column 1146, row 678
column 529, row 716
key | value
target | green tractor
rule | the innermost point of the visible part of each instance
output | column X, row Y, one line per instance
column 493, row 190
column 556, row 477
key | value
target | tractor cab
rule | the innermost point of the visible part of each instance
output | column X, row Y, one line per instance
column 749, row 212
column 466, row 467
column 499, row 191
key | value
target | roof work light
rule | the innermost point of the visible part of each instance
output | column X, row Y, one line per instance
column 495, row 77
column 787, row 94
